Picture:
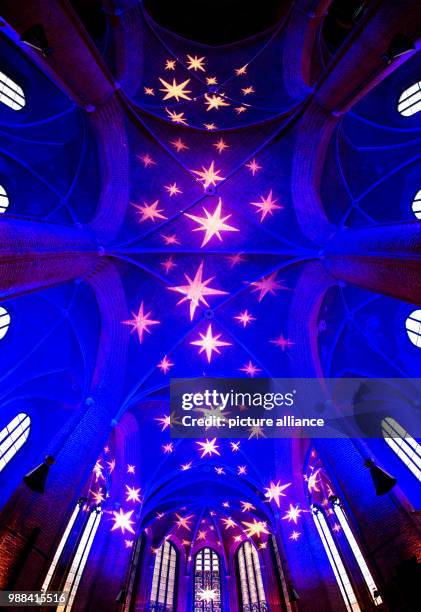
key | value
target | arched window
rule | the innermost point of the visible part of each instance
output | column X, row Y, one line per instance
column 60, row 547
column 4, row 322
column 335, row 561
column 80, row 557
column 413, row 327
column 356, row 551
column 416, row 205
column 252, row 592
column 4, row 200
column 13, row 437
column 11, row 94
column 403, row 444
column 410, row 100
column 207, row 582
column 163, row 580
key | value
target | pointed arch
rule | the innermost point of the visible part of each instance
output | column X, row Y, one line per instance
column 253, row 597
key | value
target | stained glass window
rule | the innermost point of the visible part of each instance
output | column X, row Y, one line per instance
column 416, row 205
column 4, row 322
column 11, row 94
column 413, row 327
column 163, row 580
column 4, row 200
column 356, row 550
column 207, row 582
column 60, row 547
column 81, row 556
column 335, row 561
column 410, row 100
column 251, row 583
column 13, row 436
column 403, row 444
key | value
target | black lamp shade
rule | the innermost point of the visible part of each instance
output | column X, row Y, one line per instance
column 36, row 479
column 383, row 482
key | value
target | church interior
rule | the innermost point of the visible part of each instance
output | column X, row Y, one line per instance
column 208, row 188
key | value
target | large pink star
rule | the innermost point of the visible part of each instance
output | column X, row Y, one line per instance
column 209, row 176
column 212, row 224
column 210, row 343
column 141, row 322
column 196, row 290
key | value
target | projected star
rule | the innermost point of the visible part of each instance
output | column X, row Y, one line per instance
column 165, row 422
column 168, row 264
column 262, row 545
column 175, row 117
column 207, row 595
column 256, row 432
column 147, row 160
column 111, row 466
column 250, row 369
column 295, row 535
column 255, row 528
column 212, row 224
column 235, row 446
column 196, row 290
column 170, row 240
column 97, row 496
column 240, row 109
column 184, row 467
column 253, row 166
column 313, row 482
column 238, row 538
column 245, row 318
column 246, row 506
column 293, row 514
column 149, row 91
column 170, row 65
column 267, row 284
column 122, row 520
column 235, row 259
column 165, row 364
column 201, row 535
column 128, row 543
column 229, row 523
column 173, row 190
column 276, row 491
column 220, row 471
column 266, row 206
column 282, row 342
column 215, row 102
column 175, row 90
column 241, row 71
column 179, row 145
column 209, row 176
column 247, row 90
column 221, row 145
column 211, row 81
column 183, row 522
column 210, row 126
column 167, row 449
column 132, row 494
column 195, row 63
column 209, row 343
column 131, row 469
column 150, row 212
column 208, row 448
column 141, row 322
column 241, row 470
